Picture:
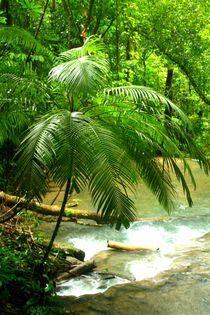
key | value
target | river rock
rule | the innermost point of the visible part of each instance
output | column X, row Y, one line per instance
column 184, row 289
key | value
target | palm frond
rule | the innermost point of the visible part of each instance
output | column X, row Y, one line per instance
column 196, row 153
column 92, row 154
column 142, row 148
column 95, row 157
column 35, row 156
column 158, row 180
column 144, row 136
column 83, row 72
column 20, row 37
column 110, row 176
column 84, row 75
column 181, row 178
column 144, row 98
column 92, row 46
column 22, row 83
column 12, row 123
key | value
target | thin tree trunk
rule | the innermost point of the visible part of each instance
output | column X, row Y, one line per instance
column 71, row 103
column 168, row 85
column 128, row 56
column 190, row 77
column 88, row 20
column 5, row 6
column 109, row 26
column 55, row 232
column 38, row 29
column 71, row 23
column 97, row 24
column 168, row 91
column 117, row 36
column 53, row 6
column 145, row 71
column 54, row 199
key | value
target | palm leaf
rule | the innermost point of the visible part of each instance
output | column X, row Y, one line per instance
column 92, row 46
column 143, row 136
column 13, row 122
column 142, row 148
column 181, row 178
column 145, row 98
column 110, row 172
column 92, row 155
column 83, row 72
column 95, row 157
column 20, row 37
column 35, row 157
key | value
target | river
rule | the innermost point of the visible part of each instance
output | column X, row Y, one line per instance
column 164, row 232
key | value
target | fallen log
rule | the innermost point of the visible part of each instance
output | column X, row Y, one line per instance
column 17, row 204
column 44, row 209
column 123, row 246
column 76, row 271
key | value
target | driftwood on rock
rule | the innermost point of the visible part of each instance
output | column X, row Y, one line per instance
column 76, row 271
column 123, row 246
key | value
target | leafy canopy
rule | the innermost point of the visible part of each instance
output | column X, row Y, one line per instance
column 106, row 140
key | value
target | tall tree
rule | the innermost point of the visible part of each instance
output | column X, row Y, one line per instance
column 106, row 139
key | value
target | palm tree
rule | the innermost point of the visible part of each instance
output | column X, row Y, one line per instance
column 20, row 88
column 105, row 140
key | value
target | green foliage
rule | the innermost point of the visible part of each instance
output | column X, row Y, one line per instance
column 21, row 290
column 88, row 135
column 2, row 18
column 17, row 37
column 30, row 7
column 84, row 69
column 108, row 147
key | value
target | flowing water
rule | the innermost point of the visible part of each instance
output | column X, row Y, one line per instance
column 163, row 232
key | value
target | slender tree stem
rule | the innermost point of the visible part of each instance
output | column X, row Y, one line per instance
column 168, row 84
column 58, row 193
column 71, row 103
column 88, row 20
column 117, row 36
column 38, row 29
column 5, row 6
column 55, row 232
column 108, row 27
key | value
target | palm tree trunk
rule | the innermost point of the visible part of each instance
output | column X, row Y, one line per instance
column 55, row 232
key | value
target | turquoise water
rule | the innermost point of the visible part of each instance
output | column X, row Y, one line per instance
column 184, row 225
column 166, row 235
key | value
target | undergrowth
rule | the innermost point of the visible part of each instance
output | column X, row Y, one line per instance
column 24, row 288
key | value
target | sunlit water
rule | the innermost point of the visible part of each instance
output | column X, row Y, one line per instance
column 136, row 265
column 186, row 224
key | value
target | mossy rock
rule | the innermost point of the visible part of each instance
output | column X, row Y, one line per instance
column 69, row 250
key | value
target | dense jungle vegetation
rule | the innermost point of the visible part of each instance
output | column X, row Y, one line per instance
column 91, row 93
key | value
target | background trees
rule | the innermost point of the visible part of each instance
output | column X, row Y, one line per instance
column 160, row 44
column 106, row 140
column 85, row 130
